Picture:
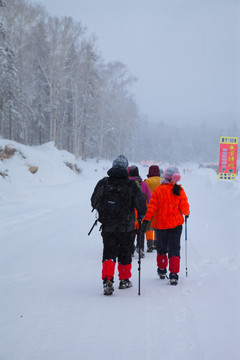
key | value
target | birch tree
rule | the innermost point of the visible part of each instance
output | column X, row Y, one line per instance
column 62, row 35
column 117, row 115
column 87, row 96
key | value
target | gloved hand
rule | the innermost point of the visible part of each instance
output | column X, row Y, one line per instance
column 144, row 225
column 187, row 216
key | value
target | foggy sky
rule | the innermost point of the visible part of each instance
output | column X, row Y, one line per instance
column 185, row 53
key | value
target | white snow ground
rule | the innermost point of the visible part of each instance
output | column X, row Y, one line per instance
column 51, row 301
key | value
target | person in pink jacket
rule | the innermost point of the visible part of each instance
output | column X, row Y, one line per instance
column 134, row 175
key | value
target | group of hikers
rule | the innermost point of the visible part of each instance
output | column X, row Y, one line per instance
column 125, row 203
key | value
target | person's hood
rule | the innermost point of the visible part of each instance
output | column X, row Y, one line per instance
column 117, row 172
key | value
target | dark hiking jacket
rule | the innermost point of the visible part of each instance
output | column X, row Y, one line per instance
column 118, row 175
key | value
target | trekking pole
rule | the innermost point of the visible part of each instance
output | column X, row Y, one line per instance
column 95, row 223
column 139, row 255
column 186, row 245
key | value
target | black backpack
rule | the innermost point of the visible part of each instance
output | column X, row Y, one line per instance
column 115, row 203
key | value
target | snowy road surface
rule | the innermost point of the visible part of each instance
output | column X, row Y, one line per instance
column 52, row 304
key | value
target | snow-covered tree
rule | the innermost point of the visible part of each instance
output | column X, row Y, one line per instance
column 9, row 84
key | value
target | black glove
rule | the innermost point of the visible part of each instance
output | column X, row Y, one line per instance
column 186, row 216
column 144, row 225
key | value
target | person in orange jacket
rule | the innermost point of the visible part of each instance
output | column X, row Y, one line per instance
column 153, row 180
column 166, row 208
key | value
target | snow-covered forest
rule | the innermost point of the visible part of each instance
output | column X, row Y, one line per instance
column 55, row 86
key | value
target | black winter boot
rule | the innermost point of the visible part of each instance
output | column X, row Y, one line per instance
column 124, row 284
column 108, row 288
column 173, row 279
column 150, row 246
column 162, row 273
column 142, row 255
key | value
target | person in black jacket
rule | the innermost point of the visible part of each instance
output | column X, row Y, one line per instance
column 118, row 222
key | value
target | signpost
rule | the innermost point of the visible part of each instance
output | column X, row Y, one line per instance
column 228, row 158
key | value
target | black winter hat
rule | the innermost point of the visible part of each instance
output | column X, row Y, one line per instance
column 133, row 170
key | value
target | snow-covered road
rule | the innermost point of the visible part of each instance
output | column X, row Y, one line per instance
column 51, row 299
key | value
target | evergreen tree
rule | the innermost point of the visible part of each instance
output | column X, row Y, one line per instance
column 9, row 85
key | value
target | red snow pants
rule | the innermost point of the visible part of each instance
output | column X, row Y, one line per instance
column 168, row 242
column 117, row 246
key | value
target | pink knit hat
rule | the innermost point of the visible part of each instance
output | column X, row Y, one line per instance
column 172, row 174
